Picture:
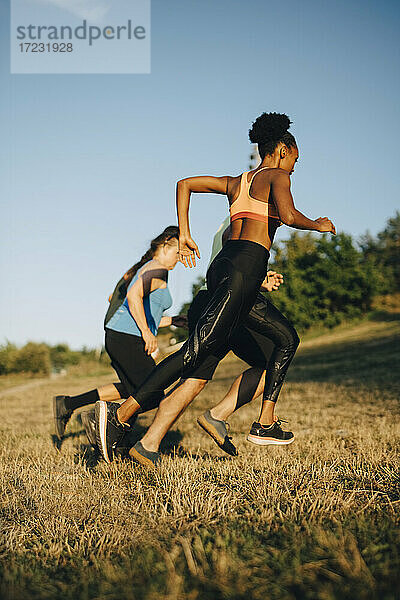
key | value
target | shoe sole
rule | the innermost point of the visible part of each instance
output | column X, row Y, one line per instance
column 210, row 429
column 142, row 460
column 213, row 433
column 57, row 420
column 268, row 441
column 100, row 411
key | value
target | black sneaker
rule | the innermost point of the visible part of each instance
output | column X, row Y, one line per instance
column 109, row 430
column 89, row 423
column 144, row 457
column 273, row 434
column 61, row 415
column 218, row 430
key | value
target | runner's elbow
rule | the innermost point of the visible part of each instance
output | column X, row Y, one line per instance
column 287, row 217
column 182, row 183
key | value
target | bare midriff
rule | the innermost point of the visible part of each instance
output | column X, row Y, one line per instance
column 251, row 229
column 254, row 231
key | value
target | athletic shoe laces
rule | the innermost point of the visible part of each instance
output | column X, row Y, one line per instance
column 228, row 427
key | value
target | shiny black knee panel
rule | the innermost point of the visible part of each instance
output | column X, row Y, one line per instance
column 268, row 320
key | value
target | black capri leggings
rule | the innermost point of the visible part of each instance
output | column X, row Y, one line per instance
column 233, row 280
column 266, row 340
column 131, row 363
column 269, row 322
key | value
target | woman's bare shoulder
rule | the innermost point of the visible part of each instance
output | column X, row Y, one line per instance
column 233, row 183
column 156, row 268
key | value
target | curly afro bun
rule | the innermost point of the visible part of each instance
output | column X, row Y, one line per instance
column 269, row 127
column 268, row 130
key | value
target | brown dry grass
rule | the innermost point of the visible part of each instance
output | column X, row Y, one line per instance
column 318, row 519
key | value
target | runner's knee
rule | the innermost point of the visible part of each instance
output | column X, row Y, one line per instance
column 287, row 339
column 295, row 340
column 197, row 385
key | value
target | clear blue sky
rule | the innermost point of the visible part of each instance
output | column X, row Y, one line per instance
column 88, row 163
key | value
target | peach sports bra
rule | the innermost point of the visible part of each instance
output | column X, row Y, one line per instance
column 246, row 207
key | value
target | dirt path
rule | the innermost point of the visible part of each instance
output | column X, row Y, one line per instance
column 23, row 387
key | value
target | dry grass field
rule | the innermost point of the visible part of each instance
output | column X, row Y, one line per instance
column 317, row 520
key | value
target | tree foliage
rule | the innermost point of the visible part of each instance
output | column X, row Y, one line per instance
column 383, row 253
column 61, row 356
column 42, row 358
column 33, row 358
column 329, row 279
column 326, row 280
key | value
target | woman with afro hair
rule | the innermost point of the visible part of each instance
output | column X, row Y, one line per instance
column 259, row 201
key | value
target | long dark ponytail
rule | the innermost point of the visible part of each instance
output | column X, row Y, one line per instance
column 119, row 293
column 169, row 233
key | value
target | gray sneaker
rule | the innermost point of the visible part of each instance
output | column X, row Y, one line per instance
column 143, row 456
column 218, row 430
column 61, row 415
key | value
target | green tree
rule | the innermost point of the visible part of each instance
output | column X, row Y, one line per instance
column 383, row 253
column 8, row 354
column 33, row 358
column 61, row 356
column 326, row 280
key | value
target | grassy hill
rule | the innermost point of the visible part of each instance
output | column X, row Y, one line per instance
column 316, row 520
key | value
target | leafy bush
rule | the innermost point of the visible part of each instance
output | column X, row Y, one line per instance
column 326, row 280
column 33, row 358
column 8, row 353
column 61, row 356
column 42, row 358
column 382, row 253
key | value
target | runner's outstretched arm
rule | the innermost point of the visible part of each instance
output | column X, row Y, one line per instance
column 202, row 184
column 288, row 213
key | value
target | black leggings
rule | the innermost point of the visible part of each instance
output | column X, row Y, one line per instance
column 268, row 321
column 131, row 362
column 233, row 280
column 266, row 340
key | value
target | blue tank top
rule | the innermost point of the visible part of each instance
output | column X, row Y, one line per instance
column 154, row 305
